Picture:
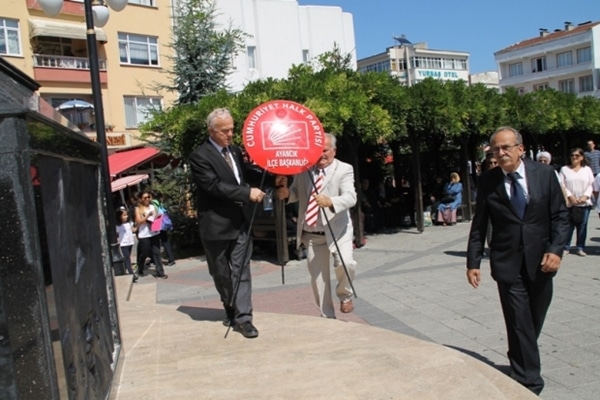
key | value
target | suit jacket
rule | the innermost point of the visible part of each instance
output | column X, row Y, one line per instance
column 223, row 203
column 339, row 187
column 516, row 243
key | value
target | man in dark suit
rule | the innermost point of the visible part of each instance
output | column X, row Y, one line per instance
column 224, row 216
column 530, row 229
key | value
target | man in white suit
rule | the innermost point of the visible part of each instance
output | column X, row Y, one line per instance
column 336, row 196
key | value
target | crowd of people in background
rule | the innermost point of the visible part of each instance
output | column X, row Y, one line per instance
column 144, row 224
column 385, row 204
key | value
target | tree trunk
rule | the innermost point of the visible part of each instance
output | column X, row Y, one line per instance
column 351, row 157
column 416, row 158
column 467, row 172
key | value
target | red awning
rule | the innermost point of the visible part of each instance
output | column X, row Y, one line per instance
column 125, row 181
column 124, row 160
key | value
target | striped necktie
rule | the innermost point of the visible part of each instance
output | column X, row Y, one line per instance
column 227, row 158
column 312, row 211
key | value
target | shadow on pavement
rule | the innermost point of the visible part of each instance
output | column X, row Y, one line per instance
column 505, row 369
column 202, row 314
column 462, row 254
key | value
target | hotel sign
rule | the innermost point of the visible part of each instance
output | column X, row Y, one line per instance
column 438, row 74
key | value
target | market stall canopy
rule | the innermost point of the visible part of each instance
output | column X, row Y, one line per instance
column 124, row 160
column 44, row 27
column 126, row 181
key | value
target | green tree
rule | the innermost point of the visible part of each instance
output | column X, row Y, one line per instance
column 477, row 111
column 202, row 51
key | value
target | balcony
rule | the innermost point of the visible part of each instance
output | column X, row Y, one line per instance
column 53, row 68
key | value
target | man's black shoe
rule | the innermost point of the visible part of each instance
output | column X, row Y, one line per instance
column 247, row 330
column 228, row 322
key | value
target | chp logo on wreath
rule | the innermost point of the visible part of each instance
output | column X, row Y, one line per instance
column 283, row 137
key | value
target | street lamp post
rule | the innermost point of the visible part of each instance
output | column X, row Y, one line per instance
column 97, row 14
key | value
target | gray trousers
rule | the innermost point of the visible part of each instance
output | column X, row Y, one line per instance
column 229, row 261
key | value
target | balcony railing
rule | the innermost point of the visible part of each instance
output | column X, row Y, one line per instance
column 63, row 62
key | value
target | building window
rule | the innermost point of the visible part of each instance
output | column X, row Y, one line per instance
column 381, row 66
column 538, row 64
column 567, row 86
column 584, row 55
column 521, row 90
column 460, row 64
column 138, row 49
column 305, row 56
column 402, row 64
column 515, row 69
column 149, row 3
column 10, row 42
column 564, row 59
column 138, row 109
column 541, row 86
column 586, row 84
column 53, row 46
column 251, row 51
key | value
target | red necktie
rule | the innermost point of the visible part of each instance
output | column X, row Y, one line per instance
column 312, row 211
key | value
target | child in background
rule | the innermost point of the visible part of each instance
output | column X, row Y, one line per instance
column 125, row 230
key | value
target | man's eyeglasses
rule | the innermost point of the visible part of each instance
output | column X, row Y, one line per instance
column 576, row 155
column 145, row 197
column 506, row 148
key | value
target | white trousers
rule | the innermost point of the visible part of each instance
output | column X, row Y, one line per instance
column 319, row 257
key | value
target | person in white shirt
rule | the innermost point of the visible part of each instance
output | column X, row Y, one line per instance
column 577, row 178
column 125, row 231
column 148, row 239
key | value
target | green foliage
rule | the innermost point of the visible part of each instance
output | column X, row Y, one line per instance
column 375, row 110
column 203, row 52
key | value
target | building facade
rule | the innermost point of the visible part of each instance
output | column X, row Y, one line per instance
column 133, row 57
column 282, row 33
column 490, row 79
column 566, row 59
column 412, row 63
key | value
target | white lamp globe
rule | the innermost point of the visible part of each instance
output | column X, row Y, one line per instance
column 117, row 5
column 51, row 7
column 101, row 15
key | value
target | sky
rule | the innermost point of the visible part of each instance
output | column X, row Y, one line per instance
column 479, row 27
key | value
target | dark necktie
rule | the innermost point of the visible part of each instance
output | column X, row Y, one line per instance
column 517, row 196
column 227, row 158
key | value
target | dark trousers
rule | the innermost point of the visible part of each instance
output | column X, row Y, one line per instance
column 149, row 247
column 126, row 251
column 229, row 261
column 164, row 239
column 524, row 305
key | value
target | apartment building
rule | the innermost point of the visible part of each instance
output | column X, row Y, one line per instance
column 412, row 63
column 565, row 59
column 133, row 57
column 282, row 33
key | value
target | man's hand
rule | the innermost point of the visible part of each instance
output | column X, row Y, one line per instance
column 281, row 187
column 550, row 263
column 474, row 277
column 323, row 201
column 281, row 180
column 256, row 195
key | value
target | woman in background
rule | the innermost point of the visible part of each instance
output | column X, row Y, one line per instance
column 451, row 200
column 578, row 178
column 148, row 240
